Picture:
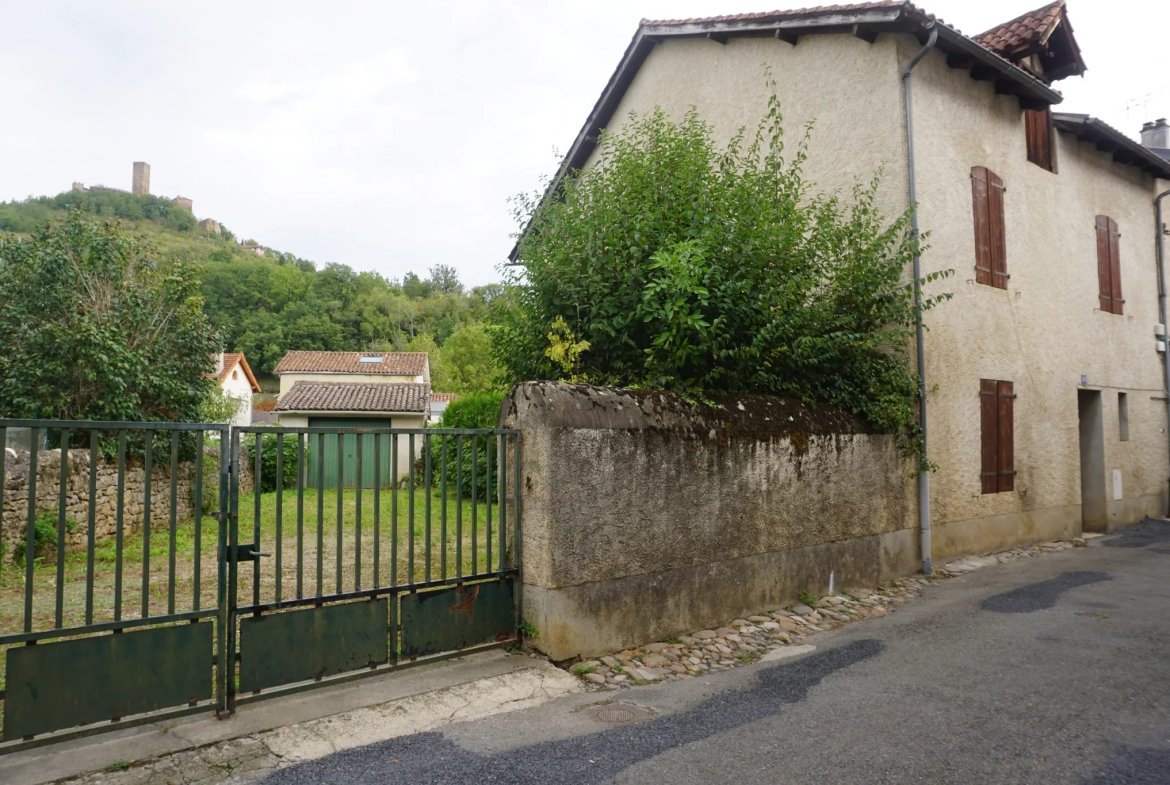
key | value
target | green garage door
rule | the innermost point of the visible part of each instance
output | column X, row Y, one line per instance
column 348, row 459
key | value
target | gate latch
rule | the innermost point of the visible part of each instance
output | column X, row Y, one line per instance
column 248, row 552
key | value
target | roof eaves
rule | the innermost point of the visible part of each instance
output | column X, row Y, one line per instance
column 1089, row 128
column 904, row 17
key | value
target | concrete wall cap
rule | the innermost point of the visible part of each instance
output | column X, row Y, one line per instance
column 547, row 404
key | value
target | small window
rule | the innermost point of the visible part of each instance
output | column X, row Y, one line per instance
column 1123, row 416
column 997, row 430
column 1038, row 129
column 1109, row 266
column 987, row 192
column 370, row 358
column 235, row 374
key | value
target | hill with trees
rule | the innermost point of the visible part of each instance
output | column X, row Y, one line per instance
column 266, row 305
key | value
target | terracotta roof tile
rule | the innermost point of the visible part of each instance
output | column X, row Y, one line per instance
column 398, row 363
column 781, row 14
column 444, row 397
column 1031, row 28
column 355, row 397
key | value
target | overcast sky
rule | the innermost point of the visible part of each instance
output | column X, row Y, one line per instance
column 388, row 136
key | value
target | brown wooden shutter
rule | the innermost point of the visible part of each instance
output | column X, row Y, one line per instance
column 995, row 214
column 1006, row 453
column 1038, row 131
column 1104, row 268
column 989, row 433
column 1115, row 268
column 979, row 207
column 1109, row 266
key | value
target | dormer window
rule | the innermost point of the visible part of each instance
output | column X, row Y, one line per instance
column 370, row 358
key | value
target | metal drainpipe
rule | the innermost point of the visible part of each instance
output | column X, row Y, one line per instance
column 920, row 349
column 1159, row 248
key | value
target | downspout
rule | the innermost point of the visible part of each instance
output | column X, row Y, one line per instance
column 1160, row 250
column 920, row 349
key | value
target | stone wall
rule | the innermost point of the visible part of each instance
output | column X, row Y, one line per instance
column 645, row 516
column 14, row 510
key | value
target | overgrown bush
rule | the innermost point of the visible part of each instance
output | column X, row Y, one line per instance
column 478, row 411
column 675, row 265
column 44, row 535
column 268, row 453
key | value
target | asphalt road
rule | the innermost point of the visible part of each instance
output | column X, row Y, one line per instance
column 1047, row 670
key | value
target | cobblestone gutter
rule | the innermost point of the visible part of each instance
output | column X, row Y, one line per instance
column 745, row 641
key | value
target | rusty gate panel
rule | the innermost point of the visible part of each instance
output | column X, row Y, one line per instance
column 282, row 648
column 454, row 618
column 106, row 677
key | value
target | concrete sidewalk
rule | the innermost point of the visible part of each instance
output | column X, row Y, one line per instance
column 270, row 734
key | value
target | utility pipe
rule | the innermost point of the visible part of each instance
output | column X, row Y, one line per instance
column 1159, row 248
column 920, row 349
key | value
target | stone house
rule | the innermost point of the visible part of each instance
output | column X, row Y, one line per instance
column 1046, row 408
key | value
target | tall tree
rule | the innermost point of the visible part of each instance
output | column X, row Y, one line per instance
column 95, row 327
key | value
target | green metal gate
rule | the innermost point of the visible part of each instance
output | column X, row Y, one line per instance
column 296, row 584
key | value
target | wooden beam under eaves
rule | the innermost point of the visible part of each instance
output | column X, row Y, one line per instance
column 960, row 61
column 1124, row 157
column 1035, row 104
column 867, row 34
column 1105, row 146
column 1006, row 87
column 983, row 73
column 719, row 38
column 787, row 36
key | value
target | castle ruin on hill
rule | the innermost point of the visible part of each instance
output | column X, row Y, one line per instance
column 140, row 186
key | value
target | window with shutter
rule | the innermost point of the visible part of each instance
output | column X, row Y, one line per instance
column 997, row 427
column 987, row 205
column 1109, row 266
column 1038, row 130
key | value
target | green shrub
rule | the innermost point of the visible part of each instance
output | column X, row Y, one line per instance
column 44, row 535
column 268, row 454
column 479, row 411
column 680, row 264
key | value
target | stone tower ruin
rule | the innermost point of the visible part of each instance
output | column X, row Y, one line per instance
column 141, row 182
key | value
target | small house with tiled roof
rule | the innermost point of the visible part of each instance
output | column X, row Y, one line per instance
column 439, row 403
column 355, row 390
column 237, row 382
column 1045, row 406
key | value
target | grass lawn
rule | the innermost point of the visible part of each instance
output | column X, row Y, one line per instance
column 400, row 548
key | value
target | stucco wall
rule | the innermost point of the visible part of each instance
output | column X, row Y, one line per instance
column 847, row 87
column 287, row 380
column 644, row 516
column 1044, row 332
column 240, row 389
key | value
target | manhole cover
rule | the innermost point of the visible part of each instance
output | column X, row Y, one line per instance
column 619, row 714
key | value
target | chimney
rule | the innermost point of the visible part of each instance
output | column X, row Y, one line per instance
column 1156, row 134
column 141, row 182
column 219, row 363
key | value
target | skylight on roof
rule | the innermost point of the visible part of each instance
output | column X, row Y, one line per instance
column 370, row 358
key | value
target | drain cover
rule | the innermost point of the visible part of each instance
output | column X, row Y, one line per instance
column 619, row 714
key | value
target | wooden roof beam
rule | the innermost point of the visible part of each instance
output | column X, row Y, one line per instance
column 1035, row 104
column 867, row 34
column 960, row 61
column 983, row 73
column 719, row 38
column 1006, row 87
column 787, row 36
